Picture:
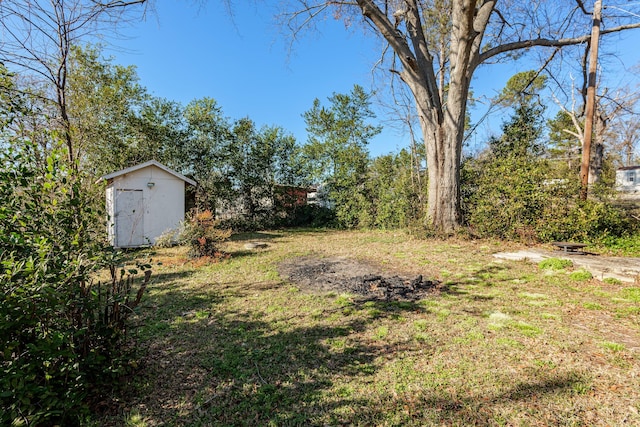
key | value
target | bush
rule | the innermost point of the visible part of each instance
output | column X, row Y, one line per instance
column 555, row 264
column 201, row 233
column 581, row 275
column 625, row 245
column 507, row 198
column 511, row 198
column 167, row 239
column 58, row 329
column 584, row 221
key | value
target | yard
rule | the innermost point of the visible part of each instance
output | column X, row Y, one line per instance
column 304, row 332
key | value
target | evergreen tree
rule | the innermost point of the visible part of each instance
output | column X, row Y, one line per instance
column 337, row 152
column 509, row 194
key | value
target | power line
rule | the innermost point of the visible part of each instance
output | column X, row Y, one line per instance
column 623, row 10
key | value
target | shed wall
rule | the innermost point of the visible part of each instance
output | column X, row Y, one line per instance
column 163, row 203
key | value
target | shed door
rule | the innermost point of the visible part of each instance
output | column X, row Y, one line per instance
column 129, row 218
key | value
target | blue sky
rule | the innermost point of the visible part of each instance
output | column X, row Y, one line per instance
column 184, row 52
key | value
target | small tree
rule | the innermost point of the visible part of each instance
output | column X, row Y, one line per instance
column 202, row 235
column 337, row 150
column 201, row 154
column 38, row 37
column 510, row 194
column 259, row 160
column 105, row 102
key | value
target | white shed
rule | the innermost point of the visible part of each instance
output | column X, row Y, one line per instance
column 628, row 179
column 143, row 202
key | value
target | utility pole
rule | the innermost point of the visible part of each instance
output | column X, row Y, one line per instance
column 591, row 100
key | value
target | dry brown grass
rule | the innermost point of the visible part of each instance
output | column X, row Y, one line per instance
column 232, row 343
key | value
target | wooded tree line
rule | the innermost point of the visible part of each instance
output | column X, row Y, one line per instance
column 433, row 59
column 115, row 123
column 508, row 188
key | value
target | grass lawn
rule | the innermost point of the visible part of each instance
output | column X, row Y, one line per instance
column 502, row 344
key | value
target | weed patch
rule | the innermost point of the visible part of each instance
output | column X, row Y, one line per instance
column 632, row 294
column 612, row 346
column 555, row 264
column 581, row 276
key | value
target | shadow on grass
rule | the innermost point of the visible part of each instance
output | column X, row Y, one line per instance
column 206, row 364
column 241, row 237
column 486, row 276
column 225, row 368
column 244, row 253
column 170, row 276
column 432, row 407
column 229, row 369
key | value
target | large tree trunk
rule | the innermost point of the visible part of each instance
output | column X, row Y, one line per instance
column 442, row 135
column 443, row 160
column 444, row 186
column 443, row 129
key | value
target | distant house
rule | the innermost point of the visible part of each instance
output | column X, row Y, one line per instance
column 319, row 196
column 628, row 179
column 289, row 196
column 143, row 202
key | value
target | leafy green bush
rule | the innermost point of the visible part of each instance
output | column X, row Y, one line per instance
column 58, row 329
column 397, row 191
column 512, row 191
column 584, row 221
column 555, row 264
column 626, row 245
column 201, row 233
column 507, row 197
column 512, row 198
column 581, row 275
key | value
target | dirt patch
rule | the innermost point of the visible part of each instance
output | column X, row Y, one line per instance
column 356, row 277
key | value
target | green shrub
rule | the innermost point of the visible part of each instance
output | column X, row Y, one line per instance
column 505, row 196
column 626, row 245
column 583, row 221
column 512, row 198
column 201, row 233
column 555, row 264
column 581, row 276
column 511, row 191
column 59, row 330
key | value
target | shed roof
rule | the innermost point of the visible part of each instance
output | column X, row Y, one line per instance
column 628, row 168
column 145, row 165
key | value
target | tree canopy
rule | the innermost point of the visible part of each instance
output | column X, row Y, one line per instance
column 437, row 45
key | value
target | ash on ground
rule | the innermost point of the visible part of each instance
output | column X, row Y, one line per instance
column 346, row 275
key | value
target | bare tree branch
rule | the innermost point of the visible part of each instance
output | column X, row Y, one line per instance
column 526, row 44
column 39, row 34
column 582, row 8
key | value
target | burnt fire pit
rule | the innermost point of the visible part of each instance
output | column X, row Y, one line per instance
column 356, row 277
